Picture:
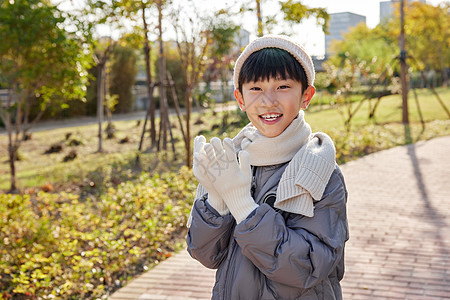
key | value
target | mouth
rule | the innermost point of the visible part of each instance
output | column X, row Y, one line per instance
column 270, row 118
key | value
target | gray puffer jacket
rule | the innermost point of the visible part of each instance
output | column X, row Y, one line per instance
column 274, row 254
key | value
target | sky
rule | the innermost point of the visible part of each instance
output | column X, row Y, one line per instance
column 311, row 35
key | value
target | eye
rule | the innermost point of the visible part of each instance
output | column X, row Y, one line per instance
column 255, row 88
column 283, row 87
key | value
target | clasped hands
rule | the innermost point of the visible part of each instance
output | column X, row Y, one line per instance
column 227, row 179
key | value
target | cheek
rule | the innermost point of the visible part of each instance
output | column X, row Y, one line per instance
column 249, row 101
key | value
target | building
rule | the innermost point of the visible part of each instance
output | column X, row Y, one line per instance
column 340, row 23
column 317, row 62
column 4, row 97
column 387, row 8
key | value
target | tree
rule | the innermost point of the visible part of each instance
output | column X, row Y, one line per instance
column 427, row 31
column 133, row 10
column 293, row 11
column 41, row 63
column 193, row 38
column 122, row 77
column 371, row 56
column 364, row 57
column 101, row 56
column 363, row 44
column 223, row 33
column 107, row 13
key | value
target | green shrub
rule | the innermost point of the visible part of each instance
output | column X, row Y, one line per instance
column 57, row 246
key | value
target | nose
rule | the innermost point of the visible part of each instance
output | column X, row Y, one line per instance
column 269, row 99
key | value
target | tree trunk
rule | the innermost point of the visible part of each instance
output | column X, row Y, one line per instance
column 109, row 126
column 145, row 123
column 172, row 140
column 188, row 127
column 177, row 105
column 405, row 113
column 100, row 95
column 12, row 151
column 147, row 53
column 259, row 16
column 162, row 101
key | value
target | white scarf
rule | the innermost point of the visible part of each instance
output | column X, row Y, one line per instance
column 311, row 159
column 266, row 151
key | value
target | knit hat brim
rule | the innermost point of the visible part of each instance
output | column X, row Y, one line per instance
column 281, row 42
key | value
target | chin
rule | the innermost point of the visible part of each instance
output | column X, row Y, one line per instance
column 271, row 134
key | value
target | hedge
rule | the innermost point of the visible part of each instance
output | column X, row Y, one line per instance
column 58, row 246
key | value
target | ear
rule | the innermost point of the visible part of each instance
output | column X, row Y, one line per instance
column 307, row 95
column 239, row 99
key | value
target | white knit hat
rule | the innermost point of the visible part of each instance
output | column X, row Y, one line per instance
column 281, row 42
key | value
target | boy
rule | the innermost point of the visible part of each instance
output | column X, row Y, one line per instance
column 270, row 210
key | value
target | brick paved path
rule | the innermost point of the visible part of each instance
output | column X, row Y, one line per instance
column 399, row 217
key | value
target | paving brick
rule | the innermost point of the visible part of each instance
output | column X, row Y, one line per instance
column 399, row 247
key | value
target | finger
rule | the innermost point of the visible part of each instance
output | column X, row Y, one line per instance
column 209, row 152
column 200, row 166
column 196, row 166
column 202, row 169
column 217, row 144
column 244, row 162
column 229, row 149
column 199, row 143
column 199, row 159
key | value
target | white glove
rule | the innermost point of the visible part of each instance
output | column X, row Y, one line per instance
column 201, row 168
column 230, row 178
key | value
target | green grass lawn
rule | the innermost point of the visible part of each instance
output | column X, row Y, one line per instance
column 91, row 172
column 388, row 111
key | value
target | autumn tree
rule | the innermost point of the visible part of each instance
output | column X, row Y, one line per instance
column 40, row 63
column 427, row 30
column 362, row 62
column 122, row 76
column 292, row 11
column 140, row 12
column 105, row 13
column 193, row 39
column 364, row 45
column 223, row 33
column 295, row 12
column 373, row 54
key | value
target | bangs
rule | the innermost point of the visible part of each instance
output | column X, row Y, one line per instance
column 270, row 63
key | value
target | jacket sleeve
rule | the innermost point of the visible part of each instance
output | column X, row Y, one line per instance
column 299, row 251
column 209, row 234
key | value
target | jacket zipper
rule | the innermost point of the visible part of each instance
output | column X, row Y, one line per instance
column 226, row 285
column 253, row 185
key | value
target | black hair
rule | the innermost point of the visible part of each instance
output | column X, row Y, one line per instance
column 271, row 63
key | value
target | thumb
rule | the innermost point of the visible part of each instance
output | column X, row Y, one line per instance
column 244, row 162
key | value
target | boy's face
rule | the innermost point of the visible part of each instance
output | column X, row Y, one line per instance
column 272, row 105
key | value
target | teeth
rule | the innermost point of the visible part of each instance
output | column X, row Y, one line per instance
column 270, row 117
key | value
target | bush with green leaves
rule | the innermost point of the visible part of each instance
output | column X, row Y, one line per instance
column 57, row 246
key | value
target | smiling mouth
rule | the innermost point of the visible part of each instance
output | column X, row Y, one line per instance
column 270, row 117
